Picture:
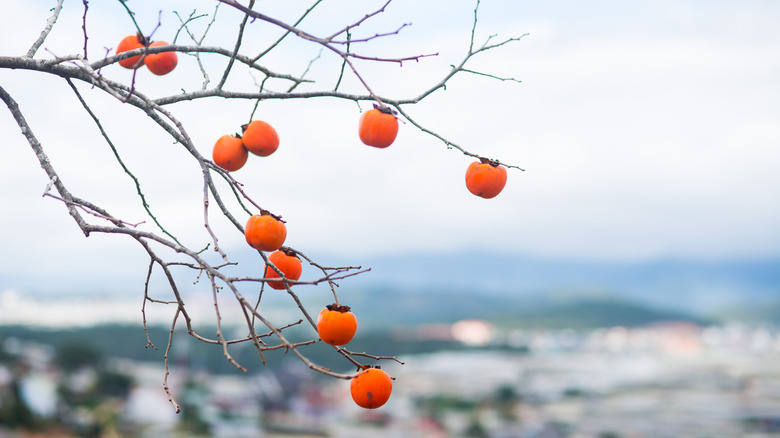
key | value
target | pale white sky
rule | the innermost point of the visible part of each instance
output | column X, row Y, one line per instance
column 648, row 129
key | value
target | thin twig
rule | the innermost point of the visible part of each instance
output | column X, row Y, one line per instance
column 239, row 38
column 220, row 336
column 303, row 75
column 185, row 26
column 343, row 63
column 371, row 356
column 502, row 79
column 277, row 42
column 166, row 357
column 359, row 22
column 84, row 26
column 46, row 30
column 119, row 159
column 131, row 14
column 448, row 143
column 149, row 342
column 206, row 221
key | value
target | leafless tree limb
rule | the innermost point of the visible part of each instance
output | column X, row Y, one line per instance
column 78, row 69
column 46, row 30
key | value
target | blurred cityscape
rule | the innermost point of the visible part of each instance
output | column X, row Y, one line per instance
column 472, row 379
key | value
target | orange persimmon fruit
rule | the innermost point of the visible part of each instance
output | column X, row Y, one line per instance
column 161, row 63
column 378, row 127
column 288, row 263
column 371, row 388
column 131, row 42
column 260, row 138
column 229, row 153
column 265, row 232
column 485, row 178
column 336, row 324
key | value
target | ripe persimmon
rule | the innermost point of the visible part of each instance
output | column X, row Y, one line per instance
column 161, row 63
column 378, row 127
column 336, row 324
column 131, row 42
column 485, row 178
column 288, row 263
column 371, row 388
column 260, row 138
column 265, row 232
column 229, row 153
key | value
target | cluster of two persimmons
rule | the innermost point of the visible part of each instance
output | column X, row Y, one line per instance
column 158, row 63
column 378, row 127
column 370, row 387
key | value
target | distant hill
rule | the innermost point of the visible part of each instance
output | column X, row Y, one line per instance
column 382, row 316
column 699, row 288
column 768, row 313
column 593, row 313
column 382, row 308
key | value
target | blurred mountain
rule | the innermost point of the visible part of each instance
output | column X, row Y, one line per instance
column 382, row 308
column 389, row 322
column 769, row 312
column 697, row 287
column 693, row 287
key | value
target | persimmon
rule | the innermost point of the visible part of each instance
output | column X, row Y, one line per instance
column 131, row 42
column 229, row 153
column 265, row 232
column 161, row 63
column 485, row 178
column 378, row 127
column 371, row 388
column 336, row 324
column 288, row 263
column 260, row 138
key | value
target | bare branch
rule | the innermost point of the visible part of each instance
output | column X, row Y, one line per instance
column 277, row 42
column 43, row 159
column 131, row 14
column 448, row 143
column 46, row 30
column 371, row 356
column 206, row 222
column 119, row 159
column 149, row 342
column 84, row 27
column 166, row 357
column 373, row 37
column 193, row 49
column 198, row 41
column 221, row 337
column 164, row 250
column 359, row 22
column 239, row 37
column 490, row 76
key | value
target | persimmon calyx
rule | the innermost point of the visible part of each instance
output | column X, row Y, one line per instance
column 288, row 251
column 385, row 109
column 265, row 212
column 368, row 367
column 142, row 39
column 493, row 163
column 336, row 307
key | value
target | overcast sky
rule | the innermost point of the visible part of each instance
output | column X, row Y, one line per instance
column 648, row 129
